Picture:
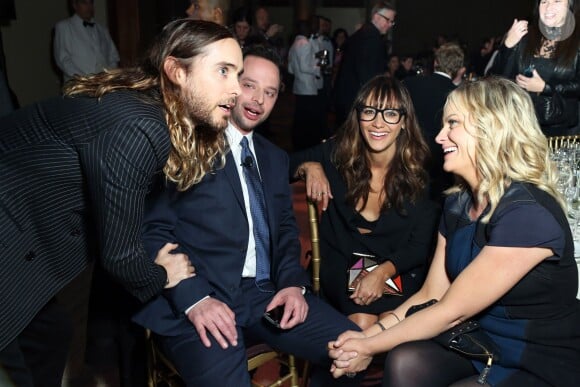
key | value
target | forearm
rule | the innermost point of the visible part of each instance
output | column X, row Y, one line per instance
column 422, row 325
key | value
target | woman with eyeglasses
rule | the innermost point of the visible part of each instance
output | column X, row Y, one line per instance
column 373, row 170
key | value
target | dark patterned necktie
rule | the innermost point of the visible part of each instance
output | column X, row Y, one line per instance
column 258, row 213
column 88, row 24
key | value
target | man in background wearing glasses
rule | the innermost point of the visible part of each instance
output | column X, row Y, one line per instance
column 365, row 56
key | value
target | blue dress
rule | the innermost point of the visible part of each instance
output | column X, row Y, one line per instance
column 536, row 324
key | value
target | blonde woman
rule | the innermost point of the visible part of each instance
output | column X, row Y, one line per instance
column 504, row 258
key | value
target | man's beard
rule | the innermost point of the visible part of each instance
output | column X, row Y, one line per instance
column 200, row 113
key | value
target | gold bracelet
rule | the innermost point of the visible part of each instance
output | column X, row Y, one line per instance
column 395, row 316
column 380, row 324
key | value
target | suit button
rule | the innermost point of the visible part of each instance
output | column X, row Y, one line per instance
column 30, row 256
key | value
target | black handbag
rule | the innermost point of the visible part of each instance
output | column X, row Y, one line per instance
column 555, row 110
column 467, row 339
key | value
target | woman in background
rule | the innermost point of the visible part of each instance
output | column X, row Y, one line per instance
column 242, row 24
column 543, row 57
column 339, row 37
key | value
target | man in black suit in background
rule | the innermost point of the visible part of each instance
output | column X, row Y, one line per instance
column 74, row 173
column 429, row 94
column 365, row 55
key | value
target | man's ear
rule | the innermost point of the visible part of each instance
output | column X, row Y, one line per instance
column 173, row 70
column 218, row 16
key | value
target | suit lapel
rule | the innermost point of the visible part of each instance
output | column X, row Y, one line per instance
column 231, row 171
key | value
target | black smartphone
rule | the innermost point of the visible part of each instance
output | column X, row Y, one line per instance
column 529, row 71
column 274, row 316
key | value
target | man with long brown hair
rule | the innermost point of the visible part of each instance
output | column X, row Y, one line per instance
column 74, row 174
column 238, row 228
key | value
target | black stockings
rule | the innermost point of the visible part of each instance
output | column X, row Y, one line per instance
column 426, row 363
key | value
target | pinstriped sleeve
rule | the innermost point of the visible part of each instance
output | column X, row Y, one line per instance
column 120, row 164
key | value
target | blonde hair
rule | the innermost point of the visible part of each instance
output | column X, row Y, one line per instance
column 449, row 58
column 510, row 144
column 195, row 150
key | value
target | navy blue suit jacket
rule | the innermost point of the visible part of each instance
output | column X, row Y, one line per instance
column 209, row 222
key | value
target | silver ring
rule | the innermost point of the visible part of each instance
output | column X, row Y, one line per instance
column 350, row 374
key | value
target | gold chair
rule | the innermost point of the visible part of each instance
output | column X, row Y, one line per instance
column 374, row 375
column 313, row 262
column 315, row 245
column 260, row 354
column 161, row 372
column 557, row 142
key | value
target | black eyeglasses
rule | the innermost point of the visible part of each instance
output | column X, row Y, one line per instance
column 389, row 20
column 390, row 115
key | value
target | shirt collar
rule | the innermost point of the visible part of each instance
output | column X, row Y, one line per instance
column 234, row 136
column 442, row 74
column 80, row 21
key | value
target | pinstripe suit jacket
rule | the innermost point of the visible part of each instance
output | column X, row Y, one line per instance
column 74, row 173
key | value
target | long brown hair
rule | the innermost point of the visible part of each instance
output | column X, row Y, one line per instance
column 566, row 50
column 407, row 177
column 194, row 151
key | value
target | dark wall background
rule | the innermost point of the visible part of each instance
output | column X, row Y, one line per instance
column 420, row 21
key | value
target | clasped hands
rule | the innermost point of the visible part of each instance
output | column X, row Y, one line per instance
column 349, row 353
column 216, row 318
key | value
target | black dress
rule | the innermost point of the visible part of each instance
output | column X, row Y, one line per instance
column 405, row 240
column 536, row 324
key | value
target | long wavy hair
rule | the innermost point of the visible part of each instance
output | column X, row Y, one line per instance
column 194, row 151
column 406, row 178
column 566, row 50
column 510, row 144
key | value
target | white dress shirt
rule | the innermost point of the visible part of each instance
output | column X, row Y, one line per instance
column 302, row 63
column 80, row 49
column 234, row 138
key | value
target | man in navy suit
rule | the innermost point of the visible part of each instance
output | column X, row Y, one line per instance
column 201, row 323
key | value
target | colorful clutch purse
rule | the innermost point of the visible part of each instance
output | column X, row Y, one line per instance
column 364, row 264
